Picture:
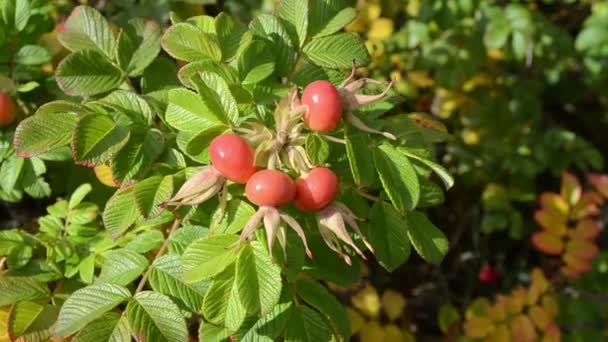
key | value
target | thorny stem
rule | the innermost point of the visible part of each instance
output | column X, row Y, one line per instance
column 160, row 252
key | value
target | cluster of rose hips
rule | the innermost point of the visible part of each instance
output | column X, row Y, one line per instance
column 7, row 110
column 234, row 157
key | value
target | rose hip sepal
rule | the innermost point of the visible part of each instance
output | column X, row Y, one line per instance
column 270, row 189
column 203, row 185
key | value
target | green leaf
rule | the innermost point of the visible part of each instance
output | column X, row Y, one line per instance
column 322, row 14
column 16, row 289
column 232, row 35
column 87, row 304
column 337, row 51
column 270, row 28
column 388, row 235
column 447, row 317
column 184, row 236
column 317, row 296
column 189, row 43
column 166, row 278
column 428, row 240
column 87, row 29
column 190, row 70
column 214, row 86
column 86, row 269
column 151, row 192
column 130, row 104
column 138, row 45
column 208, row 256
column 339, row 21
column 153, row 317
column 258, row 279
column 497, row 32
column 86, row 73
column 16, row 13
column 256, row 63
column 236, row 215
column 32, row 55
column 212, row 332
column 431, row 194
column 222, row 304
column 160, row 75
column 78, row 195
column 109, row 327
column 120, row 212
column 294, row 15
column 146, row 241
column 269, row 327
column 443, row 174
column 188, row 112
column 97, row 138
column 398, row 177
column 136, row 158
column 30, row 321
column 122, row 267
column 306, row 325
column 360, row 157
column 43, row 132
column 317, row 149
column 326, row 264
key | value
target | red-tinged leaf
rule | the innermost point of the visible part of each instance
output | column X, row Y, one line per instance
column 555, row 204
column 522, row 329
column 552, row 333
column 427, row 122
column 577, row 264
column 517, row 300
column 571, row 188
column 587, row 229
column 539, row 286
column 500, row 334
column 547, row 243
column 478, row 327
column 587, row 205
column 540, row 317
column 599, row 182
column 583, row 249
column 570, row 273
column 553, row 224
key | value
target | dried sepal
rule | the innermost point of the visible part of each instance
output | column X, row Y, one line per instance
column 203, row 185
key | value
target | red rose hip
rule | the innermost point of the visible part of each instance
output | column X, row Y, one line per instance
column 232, row 157
column 488, row 275
column 316, row 190
column 324, row 106
column 7, row 110
column 270, row 188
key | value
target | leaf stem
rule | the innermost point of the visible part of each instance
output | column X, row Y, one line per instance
column 160, row 252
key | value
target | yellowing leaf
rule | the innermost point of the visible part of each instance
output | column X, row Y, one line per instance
column 500, row 334
column 478, row 327
column 552, row 223
column 539, row 286
column 371, row 332
column 478, row 307
column 587, row 205
column 599, row 182
column 393, row 304
column 547, row 243
column 392, row 333
column 3, row 324
column 571, row 188
column 522, row 329
column 552, row 333
column 367, row 301
column 576, row 264
column 498, row 311
column 103, row 172
column 479, row 80
column 517, row 300
column 585, row 229
column 550, row 305
column 555, row 204
column 582, row 249
column 420, row 79
column 427, row 122
column 380, row 29
column 356, row 320
column 540, row 317
column 470, row 136
column 495, row 54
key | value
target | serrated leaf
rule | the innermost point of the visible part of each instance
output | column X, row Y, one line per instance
column 236, row 215
column 360, row 157
column 31, row 322
column 111, row 327
column 43, row 132
column 21, row 316
column 337, row 22
column 87, row 304
column 269, row 327
column 87, row 29
column 439, row 170
column 222, row 305
column 130, row 104
column 258, row 279
column 166, row 278
column 256, row 63
column 213, row 85
column 190, row 70
column 97, row 138
column 159, row 76
column 184, row 236
column 270, row 28
column 122, row 267
column 16, row 13
column 153, row 317
column 146, row 241
column 208, row 256
column 317, row 296
column 86, row 73
column 231, row 35
column 337, row 51
column 32, row 55
column 212, row 332
column 322, row 13
column 151, row 192
column 136, row 158
column 78, row 195
column 430, row 242
column 120, row 212
column 197, row 147
column 138, row 45
column 16, row 289
column 294, row 15
column 398, row 177
column 187, row 111
column 388, row 235
column 306, row 325
column 327, row 265
column 317, row 149
column 189, row 43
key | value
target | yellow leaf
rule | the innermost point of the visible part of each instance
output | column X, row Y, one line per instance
column 522, row 329
column 371, row 332
column 372, row 11
column 420, row 79
column 393, row 304
column 582, row 249
column 392, row 333
column 500, row 334
column 103, row 172
column 517, row 300
column 356, row 320
column 367, row 301
column 498, row 311
column 540, row 317
column 555, row 205
column 547, row 243
column 587, row 229
column 551, row 222
column 552, row 333
column 571, row 188
column 576, row 264
column 381, row 28
column 470, row 136
column 550, row 305
column 495, row 54
column 478, row 327
column 479, row 80
column 3, row 325
column 539, row 286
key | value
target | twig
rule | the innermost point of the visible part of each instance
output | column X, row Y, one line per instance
column 160, row 252
column 334, row 139
column 366, row 195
